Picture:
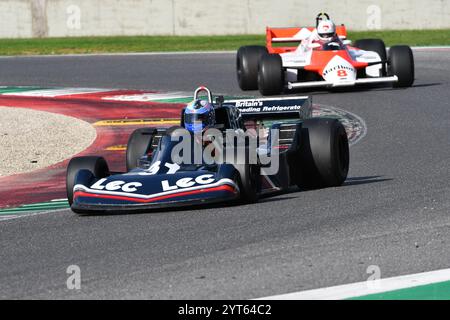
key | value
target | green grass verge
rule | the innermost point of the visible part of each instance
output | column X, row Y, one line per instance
column 192, row 43
column 434, row 291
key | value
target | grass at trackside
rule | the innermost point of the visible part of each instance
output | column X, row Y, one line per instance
column 433, row 291
column 193, row 43
column 409, row 37
column 125, row 44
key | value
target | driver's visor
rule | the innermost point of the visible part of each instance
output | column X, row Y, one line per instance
column 195, row 117
column 326, row 35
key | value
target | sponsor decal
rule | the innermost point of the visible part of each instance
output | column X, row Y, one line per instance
column 204, row 179
column 116, row 185
column 183, row 187
column 249, row 103
column 282, row 108
column 271, row 105
column 341, row 70
column 271, row 109
column 250, row 110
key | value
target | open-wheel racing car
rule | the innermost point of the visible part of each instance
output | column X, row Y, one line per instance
column 320, row 56
column 275, row 144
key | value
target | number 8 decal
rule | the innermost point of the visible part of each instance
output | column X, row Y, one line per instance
column 342, row 73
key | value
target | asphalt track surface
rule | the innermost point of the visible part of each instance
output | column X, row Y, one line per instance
column 393, row 211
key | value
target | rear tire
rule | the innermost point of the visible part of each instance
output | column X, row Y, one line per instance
column 376, row 45
column 324, row 154
column 96, row 165
column 247, row 61
column 401, row 64
column 138, row 145
column 270, row 75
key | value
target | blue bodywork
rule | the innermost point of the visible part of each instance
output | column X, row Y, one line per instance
column 158, row 182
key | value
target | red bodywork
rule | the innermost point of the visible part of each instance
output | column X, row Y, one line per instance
column 319, row 58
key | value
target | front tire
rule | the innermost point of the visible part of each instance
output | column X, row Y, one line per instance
column 248, row 172
column 401, row 64
column 96, row 165
column 249, row 176
column 323, row 157
column 247, row 61
column 138, row 145
column 270, row 75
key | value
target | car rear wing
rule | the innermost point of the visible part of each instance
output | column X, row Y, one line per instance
column 292, row 35
column 273, row 108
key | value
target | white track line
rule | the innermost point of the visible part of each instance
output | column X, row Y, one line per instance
column 431, row 48
column 364, row 288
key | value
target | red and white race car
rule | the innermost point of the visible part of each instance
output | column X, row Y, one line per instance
column 320, row 56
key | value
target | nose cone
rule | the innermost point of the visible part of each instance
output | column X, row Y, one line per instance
column 146, row 190
column 339, row 70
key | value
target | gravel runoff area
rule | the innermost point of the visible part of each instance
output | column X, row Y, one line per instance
column 31, row 140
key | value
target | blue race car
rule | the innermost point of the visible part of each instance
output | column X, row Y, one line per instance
column 223, row 151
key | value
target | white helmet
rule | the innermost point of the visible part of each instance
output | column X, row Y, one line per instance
column 326, row 29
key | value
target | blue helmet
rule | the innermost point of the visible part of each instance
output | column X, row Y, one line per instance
column 199, row 115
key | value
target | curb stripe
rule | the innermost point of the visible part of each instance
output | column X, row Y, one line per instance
column 366, row 288
column 134, row 122
column 55, row 92
column 434, row 291
column 42, row 206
